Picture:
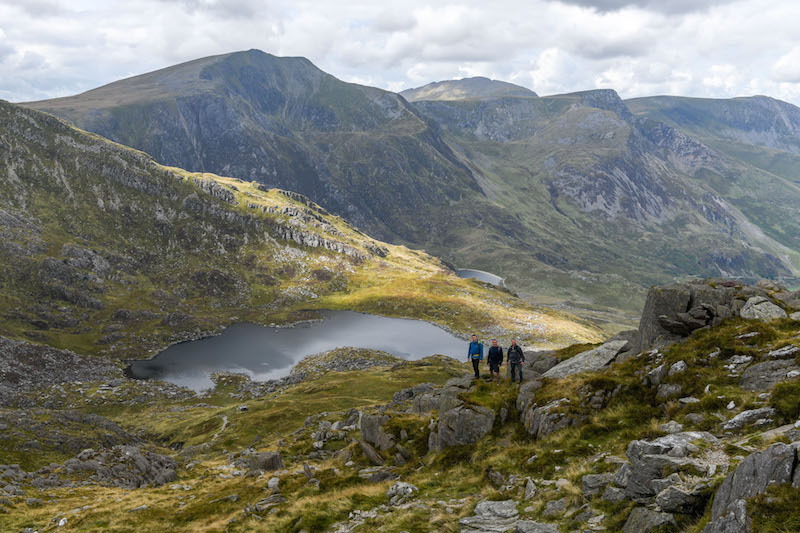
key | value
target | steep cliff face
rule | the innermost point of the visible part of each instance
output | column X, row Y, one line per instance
column 601, row 190
column 357, row 150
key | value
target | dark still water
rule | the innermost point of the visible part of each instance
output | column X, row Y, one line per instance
column 269, row 353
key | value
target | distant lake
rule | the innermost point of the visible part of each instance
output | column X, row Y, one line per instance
column 486, row 277
column 269, row 353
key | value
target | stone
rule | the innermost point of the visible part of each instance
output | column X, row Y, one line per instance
column 614, row 494
column 555, row 508
column 542, row 421
column 495, row 477
column 490, row 517
column 401, row 492
column 671, row 427
column 659, row 485
column 528, row 526
column 593, row 484
column 677, row 499
column 588, row 361
column 784, row 353
column 667, row 391
column 657, row 375
column 373, row 433
column 463, row 425
column 267, row 461
column 373, row 456
column 677, row 368
column 754, row 474
column 273, row 483
column 763, row 376
column 746, row 418
column 650, row 459
column 695, row 418
column 643, row 520
column 530, row 489
column 760, row 308
column 543, row 364
column 526, row 393
column 667, row 300
column 795, row 316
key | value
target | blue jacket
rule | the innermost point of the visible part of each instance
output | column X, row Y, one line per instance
column 475, row 350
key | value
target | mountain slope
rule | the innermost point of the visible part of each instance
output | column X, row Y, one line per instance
column 572, row 198
column 105, row 251
column 477, row 88
column 606, row 195
column 757, row 145
column 359, row 151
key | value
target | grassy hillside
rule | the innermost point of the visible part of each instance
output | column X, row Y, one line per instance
column 319, row 488
column 107, row 252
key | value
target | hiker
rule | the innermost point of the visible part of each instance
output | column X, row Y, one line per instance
column 475, row 354
column 515, row 359
column 494, row 359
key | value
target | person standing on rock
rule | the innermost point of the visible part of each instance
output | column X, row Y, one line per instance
column 475, row 354
column 495, row 359
column 516, row 358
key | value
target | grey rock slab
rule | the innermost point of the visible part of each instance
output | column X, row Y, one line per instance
column 614, row 495
column 795, row 316
column 491, row 517
column 762, row 376
column 758, row 471
column 588, row 361
column 760, row 308
column 592, row 484
column 643, row 520
column 463, row 425
column 746, row 418
column 373, row 432
column 528, row 526
column 373, row 456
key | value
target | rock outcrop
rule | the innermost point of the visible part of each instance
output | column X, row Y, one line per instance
column 776, row 465
column 672, row 312
column 588, row 361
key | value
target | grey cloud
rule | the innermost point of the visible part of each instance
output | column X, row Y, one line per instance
column 663, row 6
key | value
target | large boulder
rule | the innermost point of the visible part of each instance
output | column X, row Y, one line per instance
column 373, row 432
column 643, row 520
column 588, row 361
column 763, row 376
column 461, row 425
column 526, row 393
column 666, row 300
column 759, row 470
column 267, row 461
column 761, row 308
column 547, row 419
column 490, row 517
column 653, row 460
column 749, row 417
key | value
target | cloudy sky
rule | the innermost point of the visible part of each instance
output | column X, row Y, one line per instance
column 717, row 48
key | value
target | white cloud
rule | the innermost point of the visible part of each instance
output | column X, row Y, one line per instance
column 712, row 48
column 787, row 68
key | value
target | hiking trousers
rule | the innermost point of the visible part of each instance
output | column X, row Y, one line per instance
column 516, row 367
column 476, row 365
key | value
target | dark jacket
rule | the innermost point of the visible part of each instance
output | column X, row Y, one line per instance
column 515, row 354
column 475, row 350
column 495, row 355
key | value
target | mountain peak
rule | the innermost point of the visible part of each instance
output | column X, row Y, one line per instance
column 476, row 88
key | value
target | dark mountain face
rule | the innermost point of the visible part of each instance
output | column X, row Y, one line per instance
column 282, row 122
column 574, row 197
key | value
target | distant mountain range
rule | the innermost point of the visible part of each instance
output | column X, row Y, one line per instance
column 579, row 200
